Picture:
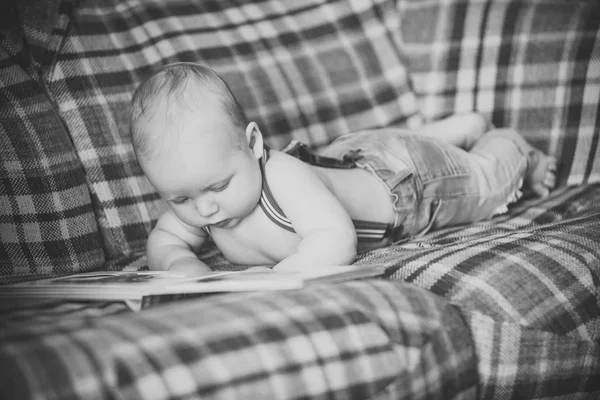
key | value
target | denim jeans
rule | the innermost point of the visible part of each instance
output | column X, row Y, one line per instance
column 434, row 184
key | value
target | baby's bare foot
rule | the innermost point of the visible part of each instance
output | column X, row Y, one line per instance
column 540, row 177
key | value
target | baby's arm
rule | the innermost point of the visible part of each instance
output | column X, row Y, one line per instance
column 172, row 246
column 460, row 130
column 327, row 233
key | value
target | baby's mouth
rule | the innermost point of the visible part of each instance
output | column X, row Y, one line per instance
column 222, row 224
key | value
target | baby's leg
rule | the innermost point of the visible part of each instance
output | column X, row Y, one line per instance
column 461, row 187
column 461, row 130
column 540, row 174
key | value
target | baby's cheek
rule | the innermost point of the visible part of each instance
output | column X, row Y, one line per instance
column 188, row 215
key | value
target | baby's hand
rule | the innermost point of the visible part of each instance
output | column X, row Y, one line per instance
column 190, row 267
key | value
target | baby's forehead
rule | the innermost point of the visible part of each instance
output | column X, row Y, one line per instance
column 188, row 117
column 187, row 144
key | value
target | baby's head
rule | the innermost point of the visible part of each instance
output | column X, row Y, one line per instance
column 195, row 145
column 177, row 96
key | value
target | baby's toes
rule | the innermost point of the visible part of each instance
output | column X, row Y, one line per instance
column 541, row 190
column 540, row 176
column 550, row 180
column 552, row 165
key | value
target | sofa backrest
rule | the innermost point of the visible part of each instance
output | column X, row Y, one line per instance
column 527, row 64
column 309, row 70
column 47, row 217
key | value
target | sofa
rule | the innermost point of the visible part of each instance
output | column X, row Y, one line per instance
column 501, row 309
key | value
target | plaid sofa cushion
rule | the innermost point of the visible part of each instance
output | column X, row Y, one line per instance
column 528, row 283
column 518, row 362
column 532, row 65
column 309, row 70
column 47, row 221
column 536, row 266
column 356, row 340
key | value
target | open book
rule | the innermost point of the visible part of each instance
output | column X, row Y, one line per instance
column 144, row 289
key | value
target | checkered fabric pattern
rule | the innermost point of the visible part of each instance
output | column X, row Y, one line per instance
column 525, row 283
column 309, row 70
column 533, row 65
column 537, row 266
column 47, row 221
column 517, row 362
column 357, row 340
column 529, row 284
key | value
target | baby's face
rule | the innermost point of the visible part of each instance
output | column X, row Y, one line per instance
column 206, row 179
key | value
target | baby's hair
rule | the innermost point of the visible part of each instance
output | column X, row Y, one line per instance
column 168, row 83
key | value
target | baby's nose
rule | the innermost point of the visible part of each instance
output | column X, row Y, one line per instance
column 207, row 208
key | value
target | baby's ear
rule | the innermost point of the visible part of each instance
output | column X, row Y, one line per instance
column 255, row 139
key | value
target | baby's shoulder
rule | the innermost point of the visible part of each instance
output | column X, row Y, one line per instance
column 284, row 169
column 290, row 179
column 277, row 157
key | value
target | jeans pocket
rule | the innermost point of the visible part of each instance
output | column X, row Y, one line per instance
column 431, row 210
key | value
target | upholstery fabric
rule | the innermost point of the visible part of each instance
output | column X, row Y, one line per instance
column 503, row 309
column 528, row 64
column 356, row 340
column 537, row 266
column 528, row 282
column 47, row 221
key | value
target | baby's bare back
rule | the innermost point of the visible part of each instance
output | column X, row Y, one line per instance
column 361, row 193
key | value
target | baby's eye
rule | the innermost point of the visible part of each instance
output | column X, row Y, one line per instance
column 220, row 187
column 180, row 200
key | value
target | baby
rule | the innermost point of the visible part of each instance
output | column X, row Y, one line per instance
column 296, row 208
